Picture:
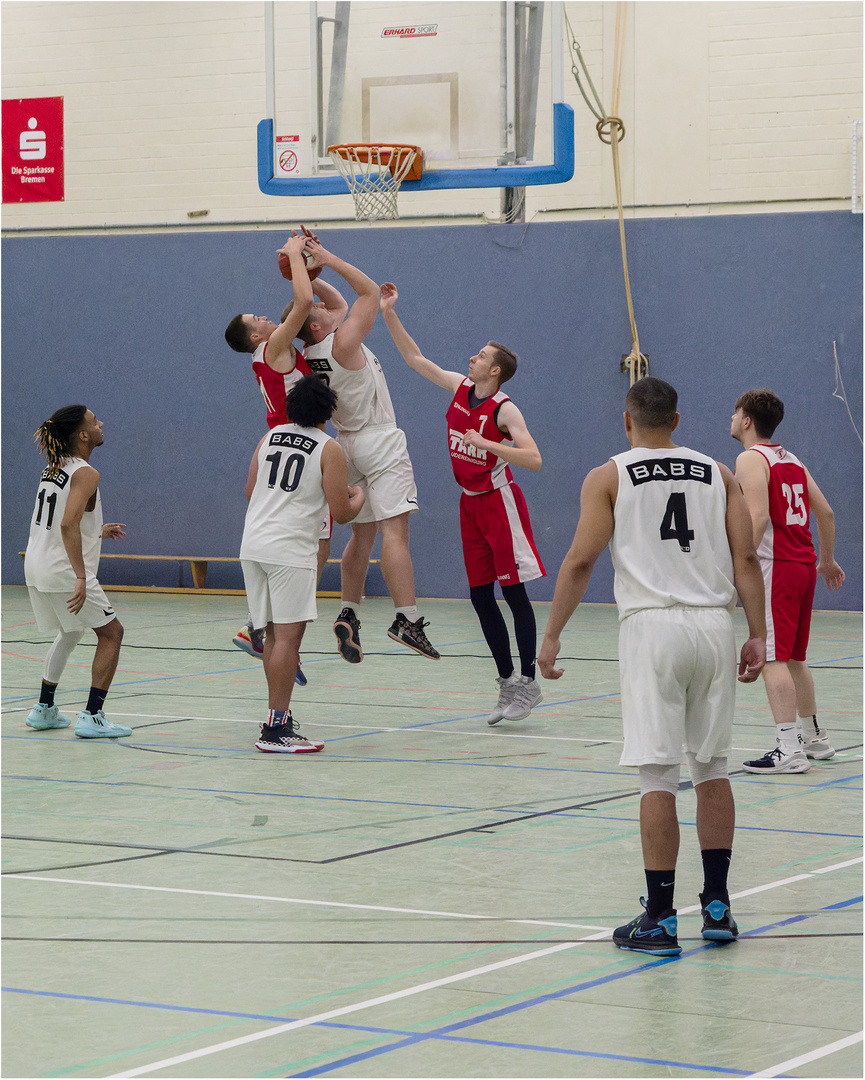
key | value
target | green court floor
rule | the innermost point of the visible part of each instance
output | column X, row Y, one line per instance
column 427, row 897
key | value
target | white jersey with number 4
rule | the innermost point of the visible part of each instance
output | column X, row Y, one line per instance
column 283, row 519
column 46, row 564
column 669, row 544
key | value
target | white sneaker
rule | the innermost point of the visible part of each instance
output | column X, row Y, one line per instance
column 527, row 694
column 95, row 726
column 776, row 761
column 507, row 689
column 815, row 742
column 46, row 716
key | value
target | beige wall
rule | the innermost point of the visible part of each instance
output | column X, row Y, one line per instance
column 728, row 106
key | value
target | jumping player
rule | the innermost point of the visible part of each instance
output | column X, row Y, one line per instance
column 377, row 456
column 680, row 539
column 296, row 473
column 66, row 534
column 486, row 435
column 780, row 493
column 277, row 365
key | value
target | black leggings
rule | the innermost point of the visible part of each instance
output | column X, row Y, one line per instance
column 495, row 630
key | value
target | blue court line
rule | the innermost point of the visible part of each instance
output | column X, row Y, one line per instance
column 446, row 1033
column 360, row 1028
column 496, row 1014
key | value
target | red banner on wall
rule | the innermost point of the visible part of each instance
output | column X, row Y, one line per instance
column 33, row 150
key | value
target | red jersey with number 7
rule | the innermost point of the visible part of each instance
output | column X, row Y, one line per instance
column 787, row 537
column 476, row 470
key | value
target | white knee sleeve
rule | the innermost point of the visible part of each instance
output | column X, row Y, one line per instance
column 659, row 778
column 59, row 653
column 716, row 769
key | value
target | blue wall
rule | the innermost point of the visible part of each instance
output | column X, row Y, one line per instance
column 132, row 326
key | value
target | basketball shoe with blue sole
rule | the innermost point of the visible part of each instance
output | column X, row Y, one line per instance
column 648, row 935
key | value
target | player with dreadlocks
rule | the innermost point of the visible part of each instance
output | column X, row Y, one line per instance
column 66, row 534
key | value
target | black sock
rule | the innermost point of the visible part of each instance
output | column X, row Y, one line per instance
column 716, row 865
column 659, row 886
column 46, row 695
column 96, row 700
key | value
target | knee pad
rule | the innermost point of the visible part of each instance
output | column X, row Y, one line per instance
column 701, row 771
column 659, row 778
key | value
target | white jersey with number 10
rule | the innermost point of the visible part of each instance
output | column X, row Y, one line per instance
column 669, row 545
column 283, row 520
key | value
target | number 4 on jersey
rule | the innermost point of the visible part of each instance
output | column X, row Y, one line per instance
column 675, row 523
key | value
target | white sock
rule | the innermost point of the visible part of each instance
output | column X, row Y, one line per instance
column 789, row 738
column 409, row 612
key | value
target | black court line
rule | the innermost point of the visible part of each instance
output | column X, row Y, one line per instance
column 317, row 862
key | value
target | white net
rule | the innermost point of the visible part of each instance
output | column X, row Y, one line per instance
column 373, row 175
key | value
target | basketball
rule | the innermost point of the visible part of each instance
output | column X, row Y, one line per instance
column 285, row 267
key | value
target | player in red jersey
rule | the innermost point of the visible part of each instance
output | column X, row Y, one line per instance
column 277, row 364
column 486, row 435
column 780, row 493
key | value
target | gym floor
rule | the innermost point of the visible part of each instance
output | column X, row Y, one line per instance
column 426, row 897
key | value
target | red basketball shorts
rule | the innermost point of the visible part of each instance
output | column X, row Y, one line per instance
column 497, row 538
column 789, row 597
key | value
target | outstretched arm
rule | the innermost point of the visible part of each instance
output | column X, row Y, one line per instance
column 524, row 452
column 747, row 577
column 594, row 531
column 449, row 380
column 825, row 516
column 280, row 354
column 362, row 313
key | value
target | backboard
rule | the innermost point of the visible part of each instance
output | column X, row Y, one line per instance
column 477, row 85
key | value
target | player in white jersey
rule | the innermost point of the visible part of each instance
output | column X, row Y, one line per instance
column 296, row 473
column 277, row 364
column 62, row 557
column 680, row 538
column 377, row 455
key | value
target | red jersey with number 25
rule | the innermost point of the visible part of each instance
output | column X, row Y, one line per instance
column 787, row 536
column 476, row 470
column 276, row 384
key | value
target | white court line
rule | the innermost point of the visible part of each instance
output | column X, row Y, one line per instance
column 804, row 1059
column 371, row 1003
column 311, row 903
column 377, row 729
column 357, row 1007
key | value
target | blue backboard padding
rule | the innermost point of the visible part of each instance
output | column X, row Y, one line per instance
column 559, row 172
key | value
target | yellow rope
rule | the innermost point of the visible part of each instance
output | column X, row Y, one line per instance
column 611, row 130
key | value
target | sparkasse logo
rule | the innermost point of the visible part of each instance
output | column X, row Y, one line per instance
column 427, row 30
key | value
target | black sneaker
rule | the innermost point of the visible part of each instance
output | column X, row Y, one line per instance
column 412, row 634
column 644, row 934
column 777, row 761
column 718, row 922
column 347, row 630
column 285, row 739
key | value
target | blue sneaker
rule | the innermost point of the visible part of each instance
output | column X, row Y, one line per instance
column 250, row 641
column 644, row 934
column 718, row 922
column 47, row 716
column 95, row 726
column 299, row 677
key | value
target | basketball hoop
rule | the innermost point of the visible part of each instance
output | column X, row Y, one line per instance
column 374, row 172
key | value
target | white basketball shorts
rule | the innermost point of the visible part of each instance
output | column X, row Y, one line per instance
column 279, row 594
column 53, row 616
column 378, row 462
column 677, row 668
